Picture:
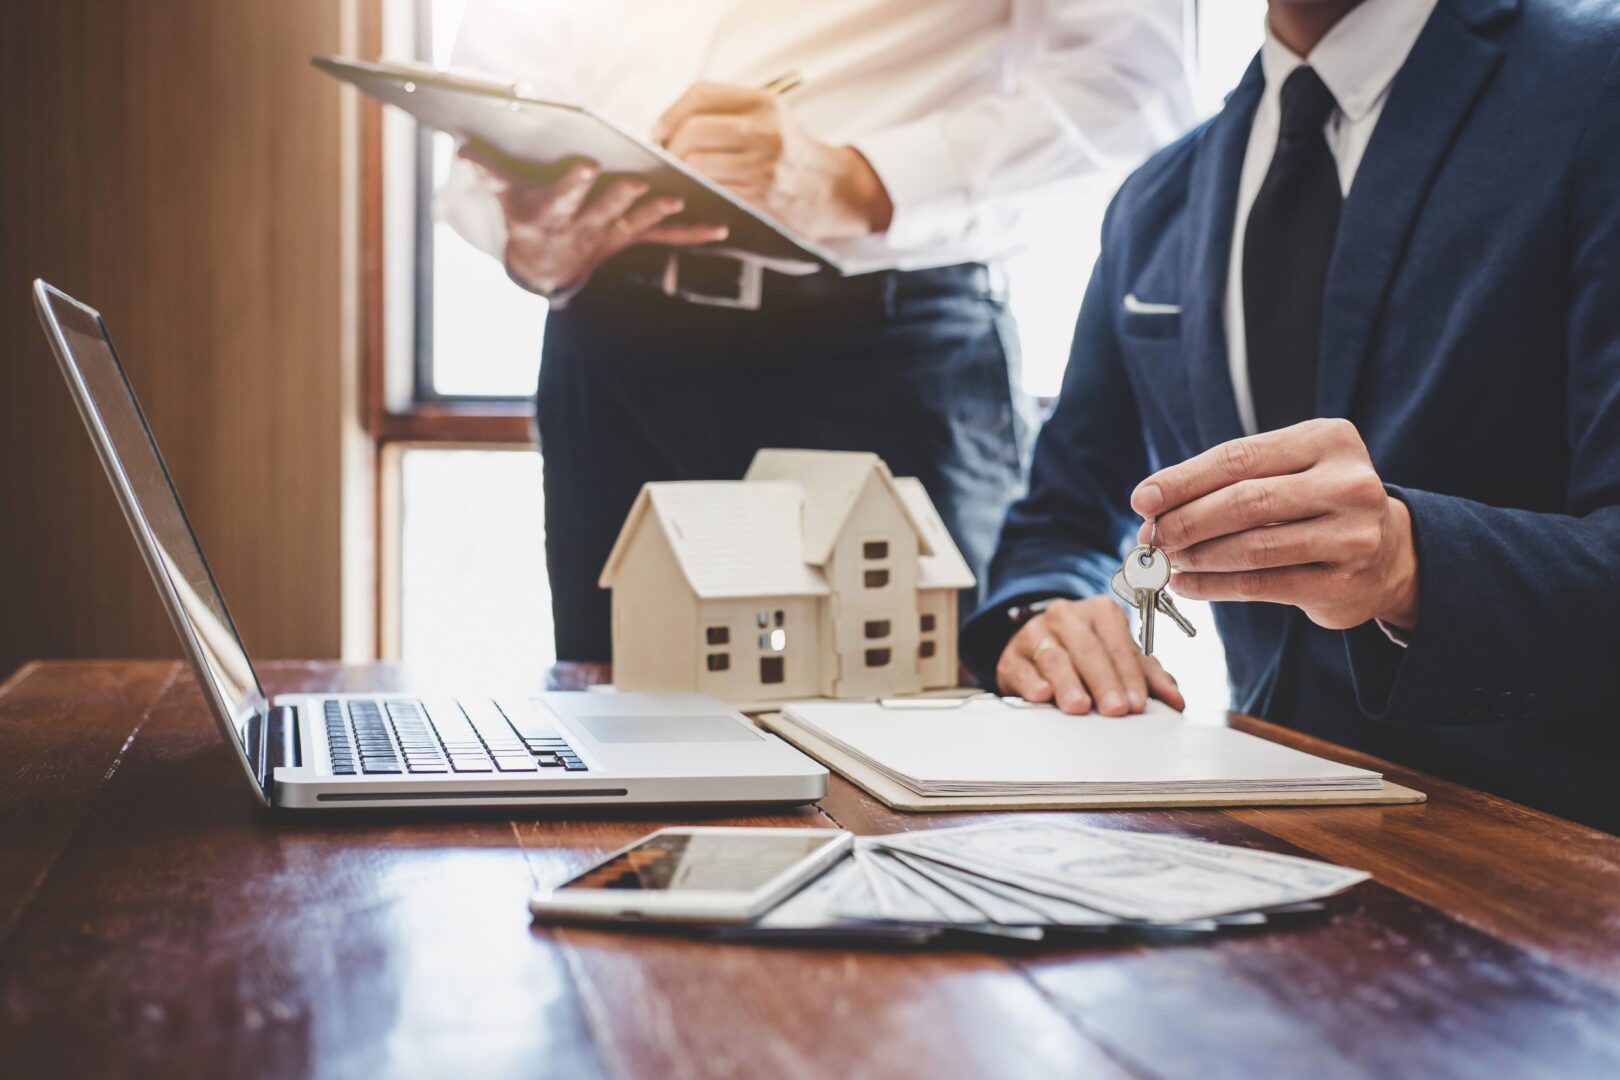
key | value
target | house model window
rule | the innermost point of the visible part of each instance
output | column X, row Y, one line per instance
column 842, row 573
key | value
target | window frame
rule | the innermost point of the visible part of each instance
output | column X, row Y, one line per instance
column 424, row 419
column 426, row 400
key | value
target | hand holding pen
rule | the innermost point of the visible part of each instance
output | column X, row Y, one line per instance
column 748, row 140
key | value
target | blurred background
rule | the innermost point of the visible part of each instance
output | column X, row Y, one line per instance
column 341, row 385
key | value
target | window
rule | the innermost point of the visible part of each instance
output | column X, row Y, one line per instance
column 719, row 661
column 876, row 579
column 781, row 617
column 877, row 657
column 475, row 598
column 771, row 670
column 925, row 649
column 927, row 623
column 719, row 635
column 877, row 628
column 875, row 549
column 775, row 641
column 763, row 618
column 450, row 354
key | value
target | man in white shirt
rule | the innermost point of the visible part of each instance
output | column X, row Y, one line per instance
column 1351, row 350
column 919, row 130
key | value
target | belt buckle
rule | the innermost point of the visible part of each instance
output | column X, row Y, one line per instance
column 750, row 285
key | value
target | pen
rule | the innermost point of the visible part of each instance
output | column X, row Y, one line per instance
column 783, row 83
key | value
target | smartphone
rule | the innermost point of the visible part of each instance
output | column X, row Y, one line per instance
column 696, row 874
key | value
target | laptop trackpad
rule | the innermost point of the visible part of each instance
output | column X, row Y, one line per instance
column 666, row 729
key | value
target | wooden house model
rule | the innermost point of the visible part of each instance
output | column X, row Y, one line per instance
column 819, row 574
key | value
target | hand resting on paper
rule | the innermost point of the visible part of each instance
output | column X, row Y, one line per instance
column 559, row 230
column 1295, row 516
column 749, row 141
column 1079, row 655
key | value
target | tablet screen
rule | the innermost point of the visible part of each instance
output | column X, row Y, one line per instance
column 702, row 862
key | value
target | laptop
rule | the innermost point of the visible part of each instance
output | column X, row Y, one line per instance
column 349, row 751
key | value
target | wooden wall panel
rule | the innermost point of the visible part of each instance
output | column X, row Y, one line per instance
column 180, row 166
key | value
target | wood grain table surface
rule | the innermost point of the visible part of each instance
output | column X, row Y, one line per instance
column 154, row 921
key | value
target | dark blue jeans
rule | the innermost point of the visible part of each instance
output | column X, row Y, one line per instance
column 919, row 367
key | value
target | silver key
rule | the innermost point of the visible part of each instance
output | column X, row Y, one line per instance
column 1168, row 606
column 1146, row 572
column 1124, row 591
column 1121, row 590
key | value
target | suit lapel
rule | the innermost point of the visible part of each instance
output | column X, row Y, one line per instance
column 1431, row 97
column 1211, row 209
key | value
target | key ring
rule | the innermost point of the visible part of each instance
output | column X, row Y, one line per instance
column 1146, row 558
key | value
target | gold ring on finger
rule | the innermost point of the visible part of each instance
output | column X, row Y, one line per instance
column 1045, row 643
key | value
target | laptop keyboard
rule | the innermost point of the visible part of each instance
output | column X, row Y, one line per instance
column 389, row 737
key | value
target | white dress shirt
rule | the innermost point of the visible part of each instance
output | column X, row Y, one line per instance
column 1357, row 61
column 962, row 107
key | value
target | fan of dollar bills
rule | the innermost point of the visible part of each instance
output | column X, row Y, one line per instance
column 1024, row 878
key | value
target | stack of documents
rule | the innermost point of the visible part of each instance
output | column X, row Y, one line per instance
column 1023, row 878
column 990, row 747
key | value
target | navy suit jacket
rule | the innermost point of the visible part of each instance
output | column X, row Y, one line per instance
column 1471, row 332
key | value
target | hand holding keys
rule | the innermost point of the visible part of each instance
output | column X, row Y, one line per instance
column 1141, row 583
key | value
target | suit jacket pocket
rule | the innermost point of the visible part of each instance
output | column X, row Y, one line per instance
column 1150, row 324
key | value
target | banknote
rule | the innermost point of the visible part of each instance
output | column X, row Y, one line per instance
column 1024, row 877
column 1023, row 905
column 815, row 912
column 1125, row 874
column 919, row 895
column 1318, row 878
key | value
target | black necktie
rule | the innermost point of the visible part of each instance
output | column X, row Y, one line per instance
column 1286, row 250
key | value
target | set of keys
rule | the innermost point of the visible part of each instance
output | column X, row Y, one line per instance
column 1141, row 582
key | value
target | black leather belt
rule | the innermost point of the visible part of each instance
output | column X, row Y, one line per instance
column 716, row 280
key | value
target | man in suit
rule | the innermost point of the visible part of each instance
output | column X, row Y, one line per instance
column 1355, row 345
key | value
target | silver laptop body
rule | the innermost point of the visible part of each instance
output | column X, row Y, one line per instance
column 348, row 751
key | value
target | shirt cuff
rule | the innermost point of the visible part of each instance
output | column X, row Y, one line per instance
column 924, row 184
column 470, row 206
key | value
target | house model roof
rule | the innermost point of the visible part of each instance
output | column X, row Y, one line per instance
column 831, row 480
column 731, row 539
column 944, row 568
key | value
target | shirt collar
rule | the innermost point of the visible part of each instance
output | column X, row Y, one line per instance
column 1358, row 58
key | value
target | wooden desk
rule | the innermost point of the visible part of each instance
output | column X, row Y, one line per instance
column 154, row 921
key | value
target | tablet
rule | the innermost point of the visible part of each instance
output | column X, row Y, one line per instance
column 542, row 138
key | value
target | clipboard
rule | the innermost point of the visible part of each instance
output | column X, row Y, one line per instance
column 543, row 137
column 897, row 796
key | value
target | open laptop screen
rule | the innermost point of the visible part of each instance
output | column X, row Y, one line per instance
column 152, row 506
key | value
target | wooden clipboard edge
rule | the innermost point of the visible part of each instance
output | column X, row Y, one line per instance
column 897, row 796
